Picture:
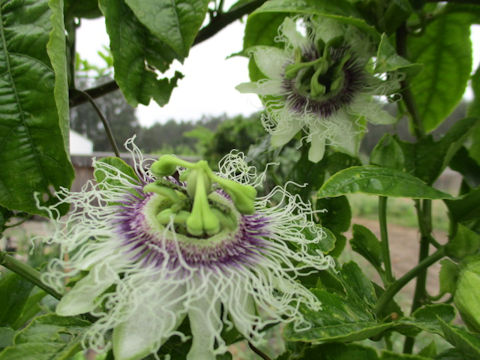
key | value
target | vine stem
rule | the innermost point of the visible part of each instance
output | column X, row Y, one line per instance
column 104, row 120
column 382, row 219
column 258, row 351
column 26, row 272
column 401, row 37
column 424, row 215
column 397, row 285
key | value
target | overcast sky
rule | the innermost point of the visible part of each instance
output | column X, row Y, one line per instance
column 208, row 87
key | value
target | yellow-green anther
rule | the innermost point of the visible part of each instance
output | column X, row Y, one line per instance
column 164, row 217
column 166, row 165
column 226, row 222
column 337, row 84
column 317, row 89
column 243, row 196
column 162, row 190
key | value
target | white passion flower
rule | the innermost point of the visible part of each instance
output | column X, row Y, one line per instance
column 320, row 82
column 147, row 249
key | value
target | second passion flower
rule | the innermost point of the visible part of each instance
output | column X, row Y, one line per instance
column 322, row 82
column 145, row 249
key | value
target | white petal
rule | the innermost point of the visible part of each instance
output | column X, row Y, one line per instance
column 317, row 148
column 372, row 111
column 206, row 327
column 270, row 60
column 347, row 134
column 295, row 38
column 149, row 325
column 81, row 298
column 267, row 87
column 286, row 129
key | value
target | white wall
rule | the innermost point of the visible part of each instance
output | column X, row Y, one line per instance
column 79, row 144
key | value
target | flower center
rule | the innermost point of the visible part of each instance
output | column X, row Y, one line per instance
column 195, row 209
column 322, row 79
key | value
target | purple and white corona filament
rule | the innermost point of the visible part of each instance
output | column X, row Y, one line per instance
column 323, row 81
column 153, row 250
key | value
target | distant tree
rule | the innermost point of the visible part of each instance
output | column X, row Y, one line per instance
column 121, row 116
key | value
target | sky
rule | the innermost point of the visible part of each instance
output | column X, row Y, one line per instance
column 208, row 87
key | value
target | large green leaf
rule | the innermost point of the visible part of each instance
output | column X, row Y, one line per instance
column 381, row 181
column 338, row 351
column 366, row 244
column 56, row 50
column 347, row 301
column 33, row 121
column 465, row 208
column 174, row 22
column 48, row 337
column 427, row 159
column 445, row 51
column 137, row 55
column 465, row 342
column 14, row 293
column 340, row 10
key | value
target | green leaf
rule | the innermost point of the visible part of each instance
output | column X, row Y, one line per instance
column 137, row 54
column 465, row 242
column 340, row 10
column 366, row 244
column 467, row 165
column 427, row 159
column 445, row 51
column 429, row 350
column 388, row 153
column 428, row 316
column 380, row 181
column 306, row 172
column 474, row 107
column 47, row 337
column 336, row 214
column 56, row 50
column 14, row 293
column 465, row 342
column 347, row 309
column 32, row 147
column 6, row 336
column 338, row 351
column 450, row 354
column 389, row 355
column 174, row 22
column 448, row 276
column 340, row 242
column 81, row 9
column 388, row 60
column 466, row 207
column 339, row 320
column 124, row 170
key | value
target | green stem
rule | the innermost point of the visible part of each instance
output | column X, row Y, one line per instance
column 401, row 37
column 424, row 215
column 382, row 219
column 26, row 272
column 397, row 285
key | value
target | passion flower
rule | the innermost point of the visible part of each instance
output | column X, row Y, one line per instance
column 321, row 82
column 143, row 249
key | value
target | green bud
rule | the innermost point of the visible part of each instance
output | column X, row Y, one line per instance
column 166, row 165
column 467, row 294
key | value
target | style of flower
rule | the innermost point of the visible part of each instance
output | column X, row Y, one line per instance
column 322, row 83
column 146, row 249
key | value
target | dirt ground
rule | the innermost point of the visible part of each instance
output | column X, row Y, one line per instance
column 404, row 248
